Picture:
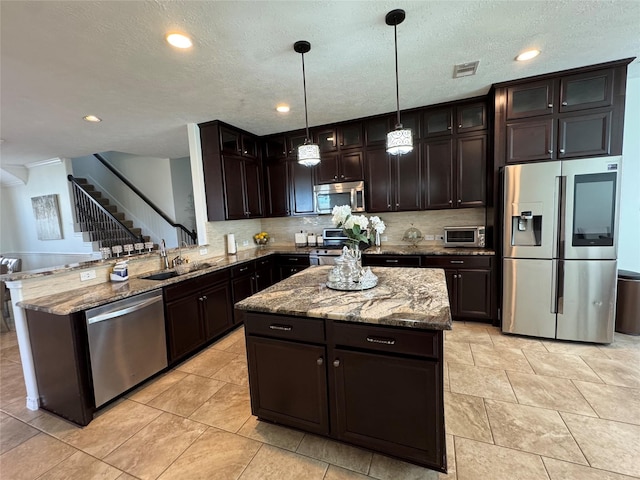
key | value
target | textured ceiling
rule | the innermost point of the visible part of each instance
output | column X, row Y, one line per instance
column 61, row 60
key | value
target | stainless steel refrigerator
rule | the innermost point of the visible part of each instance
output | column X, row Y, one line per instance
column 560, row 249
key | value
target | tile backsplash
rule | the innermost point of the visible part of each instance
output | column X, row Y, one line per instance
column 282, row 229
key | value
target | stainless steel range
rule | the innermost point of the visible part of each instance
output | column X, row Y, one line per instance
column 334, row 240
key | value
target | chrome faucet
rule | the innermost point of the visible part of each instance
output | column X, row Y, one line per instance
column 179, row 260
column 163, row 254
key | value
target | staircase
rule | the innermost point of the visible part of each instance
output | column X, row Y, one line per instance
column 100, row 221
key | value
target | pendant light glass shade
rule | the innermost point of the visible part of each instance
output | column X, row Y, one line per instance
column 400, row 140
column 308, row 152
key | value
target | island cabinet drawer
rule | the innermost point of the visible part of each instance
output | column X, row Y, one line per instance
column 473, row 261
column 391, row 260
column 188, row 287
column 393, row 340
column 290, row 328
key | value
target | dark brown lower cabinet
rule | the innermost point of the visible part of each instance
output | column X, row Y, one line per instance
column 470, row 284
column 373, row 386
column 197, row 311
column 289, row 383
column 61, row 361
column 387, row 403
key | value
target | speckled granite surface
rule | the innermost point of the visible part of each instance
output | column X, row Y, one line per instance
column 405, row 297
column 91, row 296
column 246, row 255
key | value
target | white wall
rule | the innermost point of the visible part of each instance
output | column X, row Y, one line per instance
column 183, row 192
column 19, row 236
column 629, row 246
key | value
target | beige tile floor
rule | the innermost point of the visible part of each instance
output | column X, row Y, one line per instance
column 516, row 408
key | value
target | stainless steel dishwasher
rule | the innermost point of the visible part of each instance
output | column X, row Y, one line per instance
column 127, row 343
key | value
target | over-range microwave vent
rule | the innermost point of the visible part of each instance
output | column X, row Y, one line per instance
column 465, row 69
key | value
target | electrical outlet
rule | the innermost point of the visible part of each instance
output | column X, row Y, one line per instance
column 384, row 239
column 429, row 237
column 88, row 275
column 245, row 243
column 440, row 237
column 204, row 251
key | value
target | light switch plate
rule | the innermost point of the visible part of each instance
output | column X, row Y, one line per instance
column 88, row 275
column 429, row 237
column 440, row 237
column 245, row 243
column 204, row 251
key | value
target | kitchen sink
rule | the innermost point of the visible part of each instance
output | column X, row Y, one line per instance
column 161, row 276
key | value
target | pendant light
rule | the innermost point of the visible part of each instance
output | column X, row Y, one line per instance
column 308, row 152
column 400, row 140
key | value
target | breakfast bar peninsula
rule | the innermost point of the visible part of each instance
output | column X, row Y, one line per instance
column 363, row 367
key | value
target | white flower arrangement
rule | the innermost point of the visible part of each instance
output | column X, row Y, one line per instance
column 357, row 228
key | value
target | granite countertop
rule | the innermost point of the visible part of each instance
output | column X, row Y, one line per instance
column 92, row 296
column 406, row 297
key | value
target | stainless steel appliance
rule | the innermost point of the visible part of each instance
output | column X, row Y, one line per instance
column 560, row 249
column 333, row 241
column 329, row 195
column 127, row 343
column 464, row 236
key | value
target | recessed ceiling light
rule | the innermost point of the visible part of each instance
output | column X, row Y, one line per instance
column 282, row 108
column 528, row 55
column 179, row 40
column 91, row 118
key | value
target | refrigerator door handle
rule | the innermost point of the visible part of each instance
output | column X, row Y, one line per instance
column 554, row 286
column 562, row 212
column 560, row 287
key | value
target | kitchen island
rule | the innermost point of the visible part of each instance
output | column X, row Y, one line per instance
column 363, row 367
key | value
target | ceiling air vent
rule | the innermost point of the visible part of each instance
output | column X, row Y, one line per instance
column 465, row 69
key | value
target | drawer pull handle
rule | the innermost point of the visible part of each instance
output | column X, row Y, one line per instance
column 383, row 341
column 336, row 363
column 320, row 361
column 284, row 328
column 388, row 260
column 457, row 261
column 244, row 269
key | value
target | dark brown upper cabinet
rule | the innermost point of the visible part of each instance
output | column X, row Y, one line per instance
column 376, row 129
column 455, row 172
column 233, row 180
column 275, row 147
column 237, row 143
column 393, row 182
column 340, row 167
column 561, row 116
column 455, row 119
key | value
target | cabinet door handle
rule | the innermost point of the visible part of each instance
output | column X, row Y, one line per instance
column 564, row 104
column 335, row 177
column 456, row 261
column 204, row 297
column 549, row 152
column 257, row 277
column 450, row 202
column 388, row 205
column 550, row 105
column 397, row 205
column 459, row 275
column 562, row 150
column 449, row 127
column 383, row 341
column 293, row 259
column 341, row 176
column 284, row 328
column 336, row 363
column 389, row 260
column 455, row 276
column 459, row 200
column 320, row 361
column 244, row 269
column 460, row 126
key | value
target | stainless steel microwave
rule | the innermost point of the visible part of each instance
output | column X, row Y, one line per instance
column 464, row 236
column 329, row 195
